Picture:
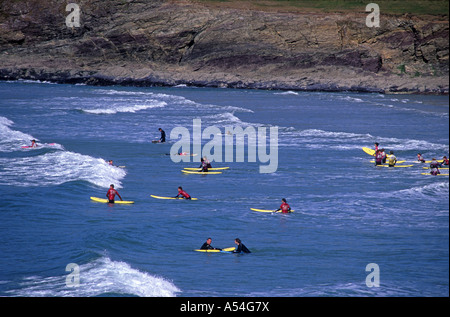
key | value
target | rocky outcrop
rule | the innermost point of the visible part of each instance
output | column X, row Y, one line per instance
column 178, row 42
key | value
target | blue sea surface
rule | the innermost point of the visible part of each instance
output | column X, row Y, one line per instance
column 348, row 213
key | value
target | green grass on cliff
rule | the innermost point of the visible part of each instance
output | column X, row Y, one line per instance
column 415, row 7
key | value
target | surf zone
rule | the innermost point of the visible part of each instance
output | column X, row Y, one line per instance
column 228, row 145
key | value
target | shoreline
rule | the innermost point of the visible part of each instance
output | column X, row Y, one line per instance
column 95, row 79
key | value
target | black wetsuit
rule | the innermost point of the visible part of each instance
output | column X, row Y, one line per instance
column 241, row 248
column 204, row 166
column 207, row 246
column 163, row 136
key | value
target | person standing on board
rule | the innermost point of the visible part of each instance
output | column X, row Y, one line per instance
column 112, row 193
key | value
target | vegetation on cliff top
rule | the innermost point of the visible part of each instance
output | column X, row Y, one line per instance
column 415, row 7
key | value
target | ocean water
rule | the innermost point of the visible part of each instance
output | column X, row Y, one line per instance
column 348, row 213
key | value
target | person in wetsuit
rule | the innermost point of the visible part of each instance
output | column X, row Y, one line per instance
column 378, row 157
column 392, row 159
column 203, row 165
column 112, row 193
column 434, row 166
column 284, row 208
column 182, row 193
column 163, row 136
column 207, row 245
column 420, row 158
column 241, row 248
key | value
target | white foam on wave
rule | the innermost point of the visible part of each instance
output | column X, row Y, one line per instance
column 12, row 140
column 316, row 138
column 436, row 190
column 351, row 99
column 358, row 289
column 289, row 92
column 330, row 134
column 99, row 277
column 171, row 100
column 113, row 109
column 223, row 118
column 58, row 168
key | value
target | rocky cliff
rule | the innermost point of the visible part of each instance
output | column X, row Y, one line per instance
column 181, row 42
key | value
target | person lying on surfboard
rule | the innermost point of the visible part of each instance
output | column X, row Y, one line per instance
column 285, row 208
column 207, row 245
column 182, row 193
column 33, row 145
column 240, row 247
column 112, row 193
column 445, row 160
